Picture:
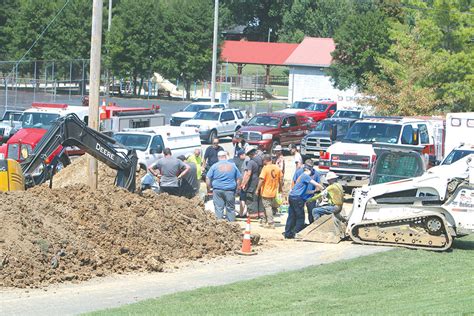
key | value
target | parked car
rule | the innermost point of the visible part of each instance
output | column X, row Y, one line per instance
column 352, row 114
column 190, row 111
column 149, row 142
column 268, row 130
column 9, row 124
column 319, row 139
column 216, row 122
column 317, row 110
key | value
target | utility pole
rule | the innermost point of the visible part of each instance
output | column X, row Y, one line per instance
column 214, row 51
column 107, row 74
column 94, row 83
column 269, row 31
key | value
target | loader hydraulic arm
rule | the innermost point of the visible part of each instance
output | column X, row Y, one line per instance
column 71, row 131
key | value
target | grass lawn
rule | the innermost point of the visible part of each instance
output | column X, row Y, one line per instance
column 396, row 282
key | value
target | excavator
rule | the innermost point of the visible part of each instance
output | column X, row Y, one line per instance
column 424, row 212
column 67, row 131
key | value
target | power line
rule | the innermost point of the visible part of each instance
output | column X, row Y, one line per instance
column 39, row 37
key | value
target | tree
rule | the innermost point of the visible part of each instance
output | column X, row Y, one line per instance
column 134, row 41
column 313, row 18
column 360, row 40
column 8, row 9
column 186, row 42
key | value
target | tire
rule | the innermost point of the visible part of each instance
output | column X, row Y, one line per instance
column 212, row 135
column 274, row 144
column 237, row 128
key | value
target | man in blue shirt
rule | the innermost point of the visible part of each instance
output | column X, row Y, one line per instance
column 224, row 179
column 295, row 221
column 315, row 175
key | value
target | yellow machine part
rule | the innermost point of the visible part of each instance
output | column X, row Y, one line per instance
column 11, row 176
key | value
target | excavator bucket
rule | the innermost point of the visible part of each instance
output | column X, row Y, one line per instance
column 327, row 229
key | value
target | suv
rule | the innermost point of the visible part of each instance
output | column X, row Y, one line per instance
column 318, row 140
column 214, row 123
column 317, row 110
column 267, row 130
column 9, row 124
column 353, row 157
column 190, row 111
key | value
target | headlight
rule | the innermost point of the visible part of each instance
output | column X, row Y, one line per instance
column 267, row 136
column 38, row 170
column 303, row 141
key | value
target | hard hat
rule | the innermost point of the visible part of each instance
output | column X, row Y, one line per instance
column 278, row 148
column 249, row 149
column 331, row 175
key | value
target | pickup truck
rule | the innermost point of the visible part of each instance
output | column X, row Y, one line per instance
column 9, row 124
column 268, row 130
column 319, row 139
column 316, row 110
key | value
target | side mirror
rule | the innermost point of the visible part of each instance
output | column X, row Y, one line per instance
column 333, row 133
column 245, row 123
column 157, row 150
column 287, row 125
column 222, row 120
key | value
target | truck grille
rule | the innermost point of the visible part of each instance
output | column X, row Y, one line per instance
column 350, row 162
column 176, row 121
column 252, row 136
column 317, row 143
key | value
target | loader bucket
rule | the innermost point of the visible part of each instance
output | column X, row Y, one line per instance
column 327, row 229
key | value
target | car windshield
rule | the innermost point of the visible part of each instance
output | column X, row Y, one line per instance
column 368, row 132
column 397, row 166
column 135, row 141
column 325, row 126
column 38, row 120
column 196, row 107
column 301, row 104
column 208, row 116
column 347, row 114
column 318, row 107
column 264, row 121
column 455, row 155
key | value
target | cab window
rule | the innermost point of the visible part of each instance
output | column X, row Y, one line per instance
column 157, row 140
column 239, row 114
column 227, row 116
column 292, row 121
column 424, row 137
column 407, row 135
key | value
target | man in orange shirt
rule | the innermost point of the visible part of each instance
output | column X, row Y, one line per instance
column 270, row 182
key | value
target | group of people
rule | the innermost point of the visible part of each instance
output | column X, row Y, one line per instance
column 256, row 179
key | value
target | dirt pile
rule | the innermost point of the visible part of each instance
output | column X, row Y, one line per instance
column 73, row 233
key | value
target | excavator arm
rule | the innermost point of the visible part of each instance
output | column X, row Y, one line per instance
column 71, row 131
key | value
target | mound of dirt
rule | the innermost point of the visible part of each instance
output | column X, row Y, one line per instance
column 71, row 233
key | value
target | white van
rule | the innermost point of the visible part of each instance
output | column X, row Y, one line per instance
column 150, row 142
column 459, row 129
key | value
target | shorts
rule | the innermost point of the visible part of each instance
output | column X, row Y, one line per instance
column 243, row 195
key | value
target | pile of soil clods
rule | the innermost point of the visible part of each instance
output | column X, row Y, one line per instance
column 74, row 233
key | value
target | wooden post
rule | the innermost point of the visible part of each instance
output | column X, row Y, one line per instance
column 94, row 84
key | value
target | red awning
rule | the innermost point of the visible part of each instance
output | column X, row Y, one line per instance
column 260, row 53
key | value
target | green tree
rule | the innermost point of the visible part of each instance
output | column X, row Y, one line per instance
column 135, row 40
column 313, row 18
column 6, row 12
column 186, row 42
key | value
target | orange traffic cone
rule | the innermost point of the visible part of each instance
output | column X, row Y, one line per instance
column 246, row 242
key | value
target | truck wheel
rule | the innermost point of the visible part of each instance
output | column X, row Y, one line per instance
column 212, row 135
column 237, row 128
column 274, row 144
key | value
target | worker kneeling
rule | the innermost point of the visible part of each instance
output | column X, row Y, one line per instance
column 332, row 199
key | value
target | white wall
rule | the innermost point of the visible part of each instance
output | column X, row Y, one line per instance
column 311, row 82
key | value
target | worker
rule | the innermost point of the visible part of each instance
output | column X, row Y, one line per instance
column 295, row 221
column 315, row 175
column 224, row 180
column 241, row 144
column 279, row 159
column 270, row 183
column 170, row 171
column 333, row 199
column 210, row 156
column 250, row 183
column 190, row 183
column 241, row 163
column 197, row 160
column 297, row 156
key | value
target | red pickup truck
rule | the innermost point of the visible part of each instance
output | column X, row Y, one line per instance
column 317, row 110
column 268, row 130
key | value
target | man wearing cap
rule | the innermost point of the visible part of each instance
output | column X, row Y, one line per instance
column 271, row 181
column 250, row 183
column 295, row 221
column 224, row 179
column 315, row 175
column 190, row 183
column 210, row 156
column 170, row 171
column 197, row 160
column 334, row 194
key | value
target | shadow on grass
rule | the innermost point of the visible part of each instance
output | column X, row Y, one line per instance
column 463, row 244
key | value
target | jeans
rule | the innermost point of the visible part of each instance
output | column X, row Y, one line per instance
column 295, row 221
column 223, row 199
column 324, row 210
column 310, row 206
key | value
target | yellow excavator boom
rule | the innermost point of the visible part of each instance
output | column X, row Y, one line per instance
column 11, row 176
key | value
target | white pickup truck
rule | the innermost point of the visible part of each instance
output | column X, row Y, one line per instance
column 9, row 124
